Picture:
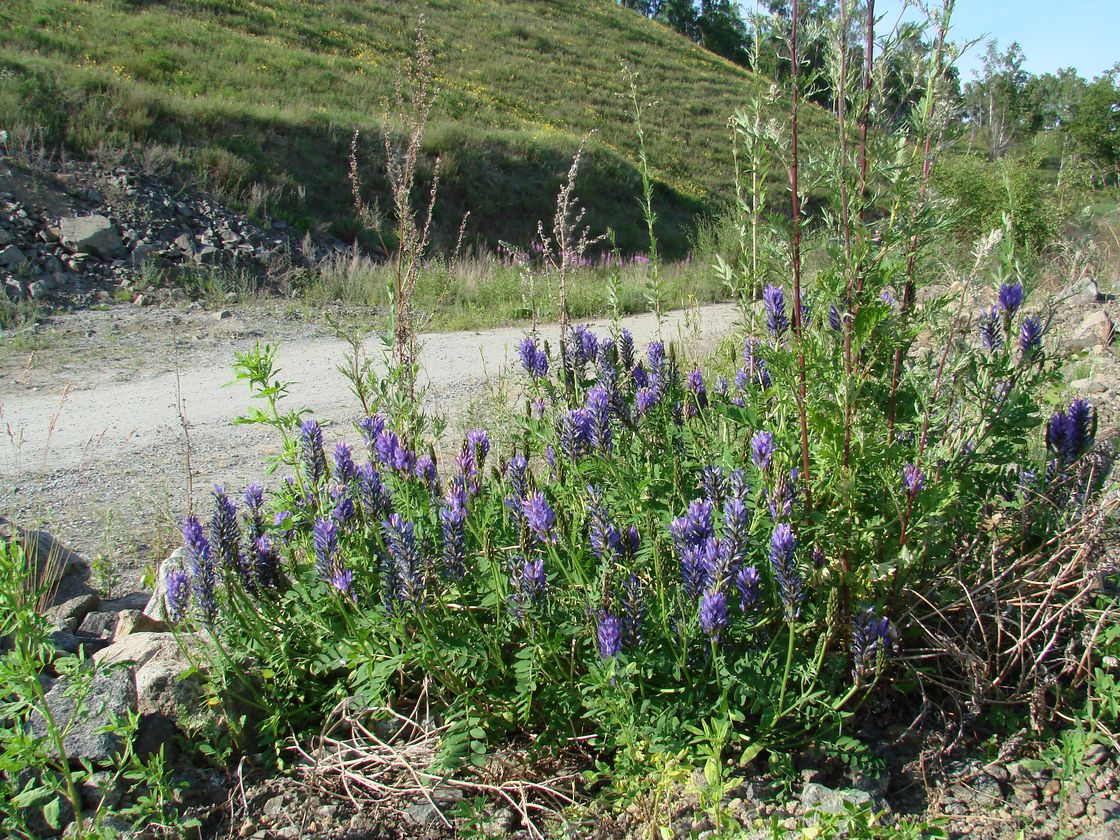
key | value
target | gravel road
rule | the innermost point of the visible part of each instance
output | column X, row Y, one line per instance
column 94, row 444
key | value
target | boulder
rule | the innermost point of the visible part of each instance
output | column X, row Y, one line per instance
column 69, row 614
column 99, row 624
column 60, row 569
column 90, row 235
column 1095, row 328
column 158, row 665
column 134, row 621
column 69, row 643
column 817, row 797
column 112, row 694
column 12, row 257
column 156, row 608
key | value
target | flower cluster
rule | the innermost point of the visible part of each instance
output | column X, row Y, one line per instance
column 1071, row 432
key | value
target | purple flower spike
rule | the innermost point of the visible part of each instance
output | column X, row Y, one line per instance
column 311, row 451
column 533, row 359
column 177, row 593
column 774, row 302
column 539, row 517
column 871, row 639
column 225, row 536
column 782, row 547
column 912, row 479
column 370, row 428
column 713, row 613
column 625, row 349
column 762, row 450
column 531, row 581
column 646, row 399
column 343, row 581
column 1030, row 335
column 202, row 568
column 746, row 581
column 1011, row 297
column 407, row 562
column 991, row 336
column 325, row 544
column 835, row 319
column 610, row 636
column 344, row 469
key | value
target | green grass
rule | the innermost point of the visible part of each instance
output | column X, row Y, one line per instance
column 270, row 91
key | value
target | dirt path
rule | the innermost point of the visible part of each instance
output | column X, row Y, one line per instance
column 96, row 448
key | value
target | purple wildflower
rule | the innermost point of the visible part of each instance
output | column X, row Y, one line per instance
column 531, row 580
column 225, row 536
column 646, row 398
column 343, row 580
column 539, row 517
column 1011, row 297
column 988, row 326
column 325, row 544
column 533, row 359
column 1083, row 420
column 610, row 636
column 400, row 539
column 912, row 479
column 871, row 638
column 782, row 547
column 604, row 537
column 598, row 406
column 177, row 593
column 311, row 452
column 372, row 494
column 266, row 563
column 633, row 612
column 576, row 432
column 695, row 385
column 426, row 470
column 835, row 319
column 714, row 485
column 453, row 517
column 254, row 510
column 713, row 613
column 371, row 428
column 695, row 527
column 736, row 524
column 344, row 469
column 202, row 568
column 774, row 302
column 746, row 581
column 1030, row 335
column 762, row 450
column 625, row 349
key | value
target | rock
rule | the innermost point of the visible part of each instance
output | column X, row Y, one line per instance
column 6, row 237
column 1109, row 831
column 144, row 252
column 38, row 290
column 131, row 601
column 1089, row 385
column 998, row 772
column 134, row 621
column 1095, row 328
column 69, row 643
column 53, row 559
column 155, row 607
column 99, row 625
column 1085, row 291
column 112, row 694
column 1096, row 754
column 90, row 235
column 158, row 667
column 99, row 788
column 425, row 812
column 12, row 257
column 817, row 797
column 69, row 614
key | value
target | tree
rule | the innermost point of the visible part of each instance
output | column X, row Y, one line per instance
column 1095, row 123
column 996, row 103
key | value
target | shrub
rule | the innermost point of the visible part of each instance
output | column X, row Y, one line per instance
column 649, row 568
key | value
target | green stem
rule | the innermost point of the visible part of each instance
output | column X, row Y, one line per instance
column 785, row 674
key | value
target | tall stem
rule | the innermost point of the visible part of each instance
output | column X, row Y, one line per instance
column 935, row 74
column 796, row 255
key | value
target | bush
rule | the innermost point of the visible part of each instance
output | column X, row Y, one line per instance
column 983, row 192
column 649, row 569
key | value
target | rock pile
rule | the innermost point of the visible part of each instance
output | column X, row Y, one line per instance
column 73, row 234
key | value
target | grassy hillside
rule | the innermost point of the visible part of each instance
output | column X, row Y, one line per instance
column 269, row 92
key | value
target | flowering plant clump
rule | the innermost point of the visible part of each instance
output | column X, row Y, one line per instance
column 649, row 555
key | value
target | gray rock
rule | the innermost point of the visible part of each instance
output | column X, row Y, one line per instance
column 134, row 621
column 12, row 257
column 1109, row 831
column 1095, row 328
column 431, row 812
column 90, row 235
column 1085, row 291
column 69, row 614
column 6, row 237
column 70, row 643
column 53, row 559
column 817, row 797
column 156, row 608
column 99, row 624
column 131, row 601
column 38, row 290
column 158, row 665
column 1090, row 385
column 112, row 694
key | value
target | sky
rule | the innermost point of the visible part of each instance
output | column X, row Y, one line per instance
column 1084, row 34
